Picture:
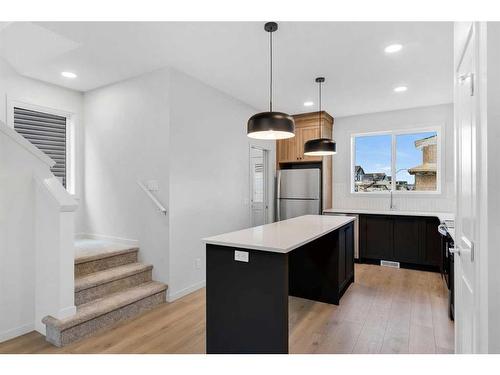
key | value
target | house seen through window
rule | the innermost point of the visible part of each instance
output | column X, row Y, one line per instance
column 412, row 167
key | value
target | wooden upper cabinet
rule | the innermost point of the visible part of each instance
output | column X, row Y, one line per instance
column 306, row 134
column 287, row 150
column 291, row 151
column 307, row 126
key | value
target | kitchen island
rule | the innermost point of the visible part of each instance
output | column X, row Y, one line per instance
column 251, row 273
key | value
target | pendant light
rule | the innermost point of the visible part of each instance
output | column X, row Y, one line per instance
column 271, row 125
column 320, row 146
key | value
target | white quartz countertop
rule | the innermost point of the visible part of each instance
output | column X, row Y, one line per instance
column 282, row 236
column 442, row 216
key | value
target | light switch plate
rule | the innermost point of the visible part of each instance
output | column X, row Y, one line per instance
column 241, row 256
column 152, row 185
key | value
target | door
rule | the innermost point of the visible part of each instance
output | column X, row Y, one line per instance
column 466, row 332
column 289, row 208
column 342, row 256
column 349, row 251
column 287, row 150
column 433, row 252
column 299, row 192
column 258, row 185
column 407, row 239
column 300, row 183
column 377, row 237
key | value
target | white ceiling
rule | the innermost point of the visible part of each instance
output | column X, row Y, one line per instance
column 233, row 57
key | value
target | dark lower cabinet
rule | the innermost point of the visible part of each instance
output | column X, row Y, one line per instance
column 349, row 244
column 407, row 239
column 376, row 234
column 346, row 256
column 411, row 240
column 433, row 254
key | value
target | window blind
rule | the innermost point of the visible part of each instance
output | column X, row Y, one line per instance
column 48, row 133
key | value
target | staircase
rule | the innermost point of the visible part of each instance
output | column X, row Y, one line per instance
column 110, row 286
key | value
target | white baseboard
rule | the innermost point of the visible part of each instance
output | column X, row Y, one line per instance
column 14, row 332
column 183, row 292
column 95, row 236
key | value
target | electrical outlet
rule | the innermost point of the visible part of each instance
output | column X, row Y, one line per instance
column 241, row 256
column 197, row 263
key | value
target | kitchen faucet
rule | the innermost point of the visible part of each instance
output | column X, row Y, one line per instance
column 392, row 206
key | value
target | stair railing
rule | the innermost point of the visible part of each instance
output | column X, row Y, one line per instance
column 155, row 200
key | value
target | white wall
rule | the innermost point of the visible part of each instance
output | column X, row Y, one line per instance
column 127, row 139
column 191, row 138
column 36, row 239
column 394, row 120
column 18, row 242
column 16, row 88
column 209, row 174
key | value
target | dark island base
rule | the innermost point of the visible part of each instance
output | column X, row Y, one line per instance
column 247, row 302
column 318, row 269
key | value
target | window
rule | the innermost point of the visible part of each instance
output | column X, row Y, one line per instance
column 47, row 132
column 416, row 161
column 397, row 161
column 373, row 163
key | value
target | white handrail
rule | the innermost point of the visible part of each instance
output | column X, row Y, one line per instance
column 162, row 208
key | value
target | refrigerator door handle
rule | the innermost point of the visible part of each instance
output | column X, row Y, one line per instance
column 278, row 189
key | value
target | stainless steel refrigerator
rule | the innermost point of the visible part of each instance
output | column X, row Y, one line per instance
column 299, row 193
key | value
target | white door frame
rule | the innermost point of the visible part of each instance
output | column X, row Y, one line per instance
column 267, row 179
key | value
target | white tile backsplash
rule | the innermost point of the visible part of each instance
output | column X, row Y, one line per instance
column 343, row 198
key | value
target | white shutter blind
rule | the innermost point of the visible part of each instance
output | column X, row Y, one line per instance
column 48, row 133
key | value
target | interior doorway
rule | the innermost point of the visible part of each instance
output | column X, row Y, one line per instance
column 259, row 200
column 467, row 210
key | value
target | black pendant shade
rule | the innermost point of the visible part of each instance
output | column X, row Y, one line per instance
column 320, row 146
column 271, row 125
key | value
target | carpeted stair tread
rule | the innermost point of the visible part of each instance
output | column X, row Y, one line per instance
column 106, row 304
column 111, row 274
column 110, row 252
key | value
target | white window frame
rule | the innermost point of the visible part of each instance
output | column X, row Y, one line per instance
column 438, row 128
column 70, row 135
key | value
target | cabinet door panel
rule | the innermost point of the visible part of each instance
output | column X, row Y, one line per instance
column 432, row 252
column 378, row 238
column 362, row 235
column 349, row 251
column 342, row 256
column 407, row 239
column 287, row 150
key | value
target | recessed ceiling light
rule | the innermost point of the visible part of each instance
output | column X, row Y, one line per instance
column 400, row 89
column 393, row 48
column 68, row 74
column 308, row 104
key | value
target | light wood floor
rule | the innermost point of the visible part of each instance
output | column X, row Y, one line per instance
column 385, row 311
